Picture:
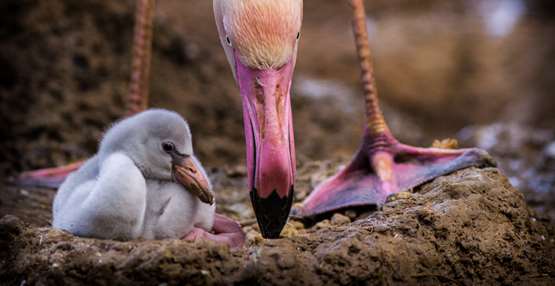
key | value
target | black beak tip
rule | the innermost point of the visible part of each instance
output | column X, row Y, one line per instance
column 272, row 212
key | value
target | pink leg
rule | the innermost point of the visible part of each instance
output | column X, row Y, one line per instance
column 50, row 178
column 382, row 166
column 226, row 231
column 137, row 99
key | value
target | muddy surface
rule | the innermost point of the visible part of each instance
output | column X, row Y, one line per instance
column 469, row 228
column 63, row 80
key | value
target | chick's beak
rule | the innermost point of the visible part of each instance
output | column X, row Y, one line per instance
column 187, row 172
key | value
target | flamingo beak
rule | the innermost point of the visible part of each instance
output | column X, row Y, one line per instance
column 187, row 172
column 270, row 145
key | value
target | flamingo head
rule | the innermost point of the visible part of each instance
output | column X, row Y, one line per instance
column 260, row 39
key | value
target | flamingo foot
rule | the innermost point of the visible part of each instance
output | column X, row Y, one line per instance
column 50, row 178
column 383, row 167
column 226, row 231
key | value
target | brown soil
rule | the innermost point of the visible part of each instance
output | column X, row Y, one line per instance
column 63, row 80
column 469, row 228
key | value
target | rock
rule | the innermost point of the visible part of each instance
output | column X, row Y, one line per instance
column 236, row 171
column 300, row 195
column 379, row 228
column 339, row 219
column 399, row 196
column 448, row 143
column 10, row 226
column 323, row 224
column 550, row 150
column 289, row 230
column 351, row 214
column 254, row 237
column 296, row 224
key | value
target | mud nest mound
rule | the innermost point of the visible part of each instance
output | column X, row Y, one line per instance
column 470, row 227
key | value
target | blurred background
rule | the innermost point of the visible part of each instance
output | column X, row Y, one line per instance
column 481, row 71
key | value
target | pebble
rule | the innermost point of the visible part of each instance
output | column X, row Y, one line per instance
column 339, row 219
column 351, row 214
column 296, row 224
column 399, row 196
column 550, row 150
column 289, row 230
column 286, row 261
column 236, row 172
column 240, row 208
column 301, row 195
column 448, row 143
column 323, row 224
column 254, row 236
column 11, row 225
column 380, row 228
column 317, row 179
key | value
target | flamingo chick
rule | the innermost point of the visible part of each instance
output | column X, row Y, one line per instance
column 144, row 182
column 260, row 39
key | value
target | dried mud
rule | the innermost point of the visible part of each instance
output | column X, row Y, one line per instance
column 468, row 228
column 64, row 76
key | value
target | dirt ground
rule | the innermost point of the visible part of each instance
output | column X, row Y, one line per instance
column 468, row 228
column 63, row 79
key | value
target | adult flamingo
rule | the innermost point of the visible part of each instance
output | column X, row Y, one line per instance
column 260, row 39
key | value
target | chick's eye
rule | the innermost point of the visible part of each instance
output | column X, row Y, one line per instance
column 168, row 147
column 228, row 40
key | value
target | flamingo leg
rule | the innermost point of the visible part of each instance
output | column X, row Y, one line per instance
column 382, row 165
column 226, row 231
column 137, row 99
column 50, row 178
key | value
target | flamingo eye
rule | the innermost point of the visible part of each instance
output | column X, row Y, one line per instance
column 228, row 40
column 168, row 147
column 298, row 35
